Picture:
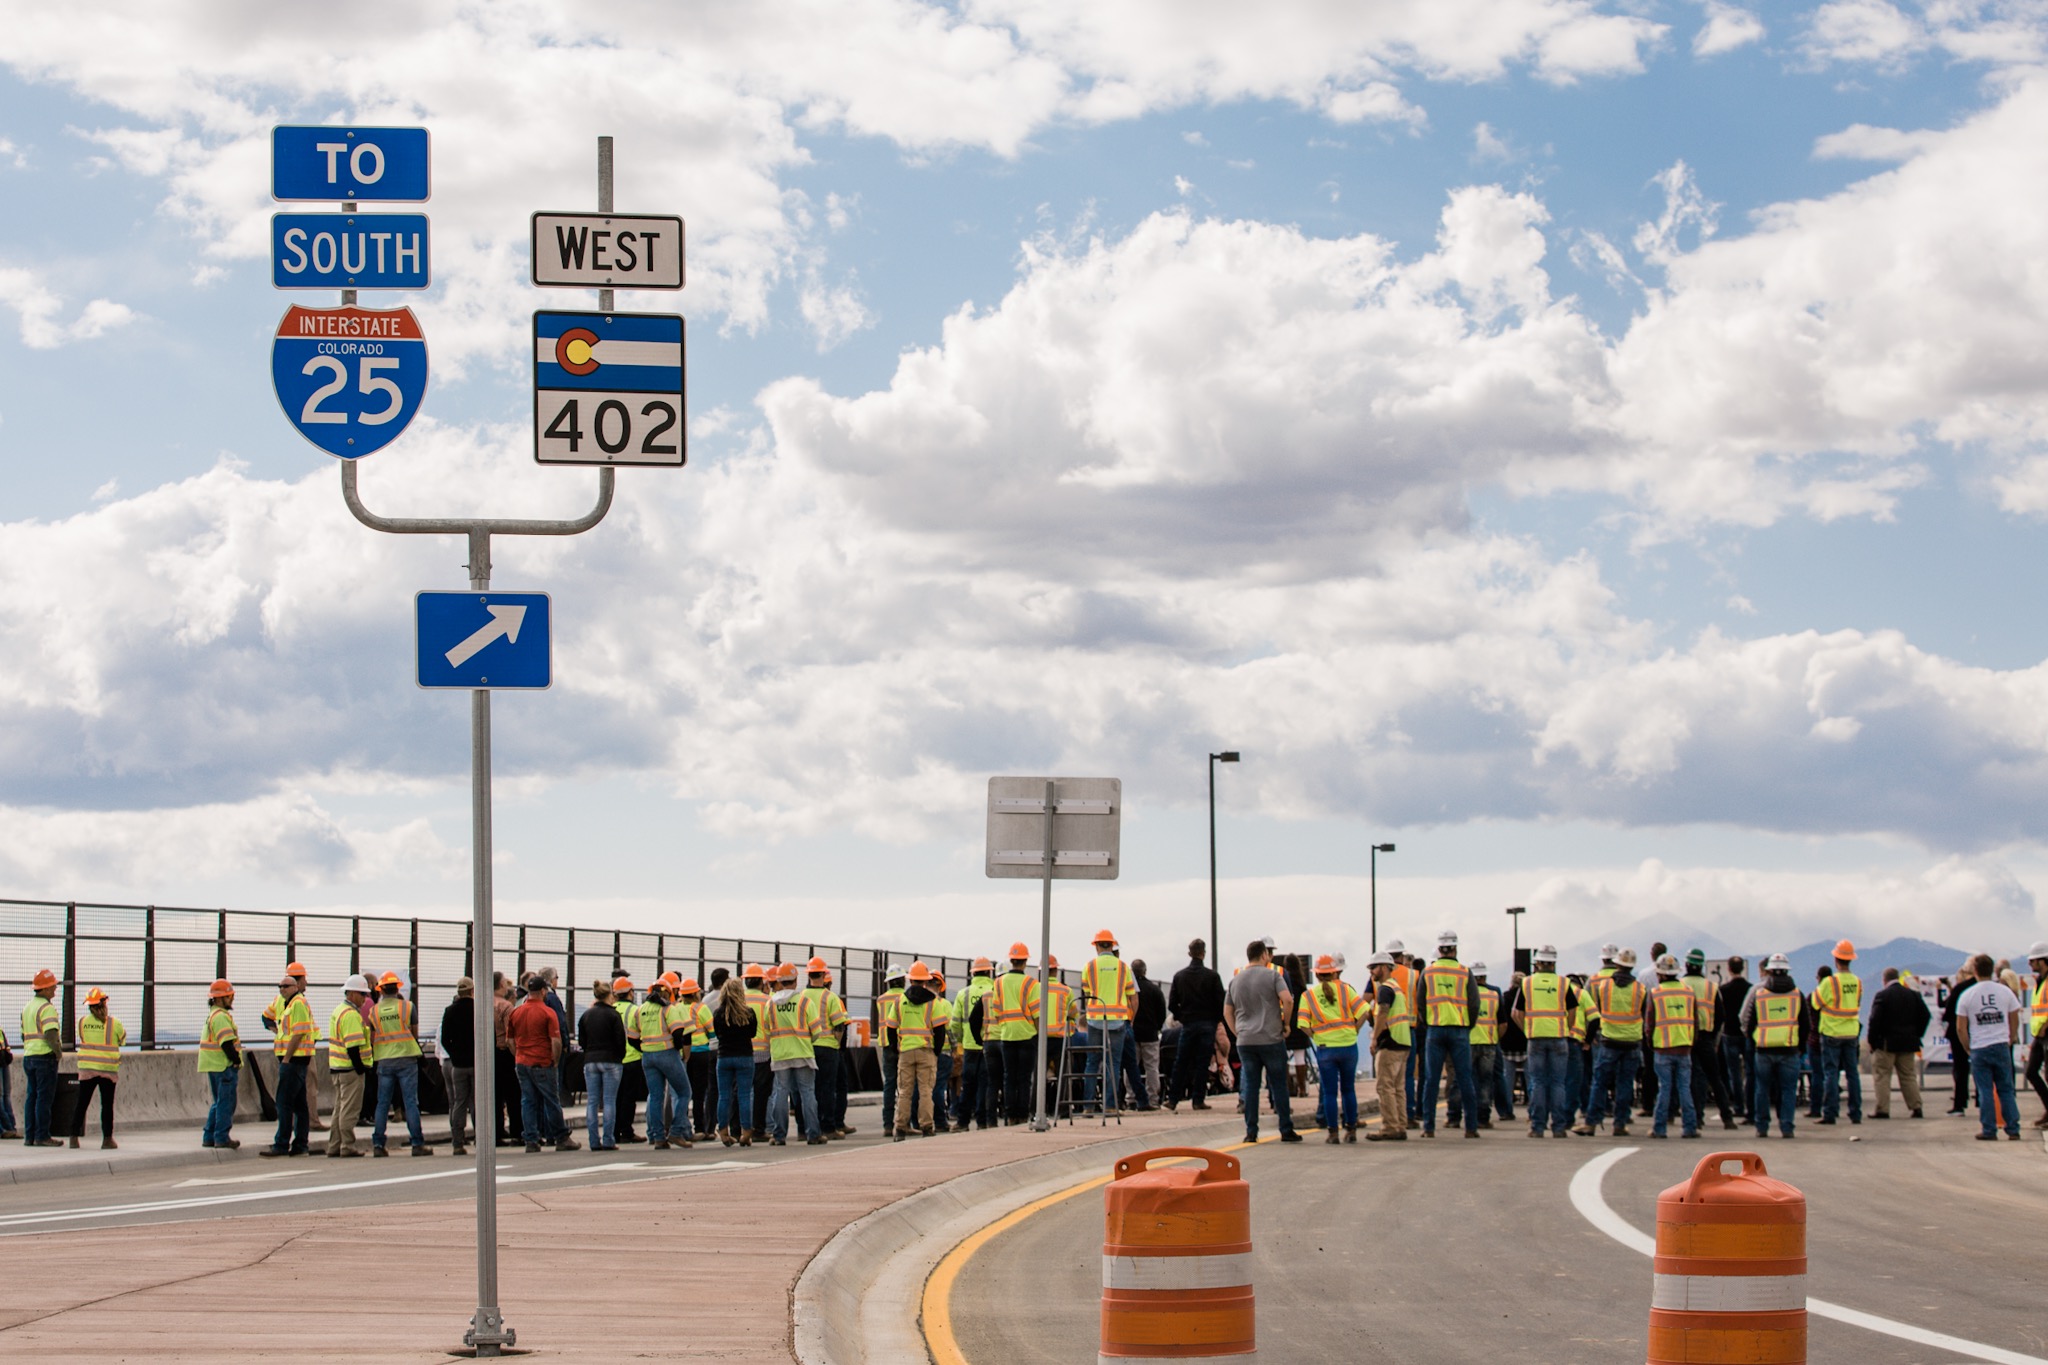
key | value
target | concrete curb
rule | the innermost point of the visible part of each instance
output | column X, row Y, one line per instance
column 155, row 1161
column 858, row 1300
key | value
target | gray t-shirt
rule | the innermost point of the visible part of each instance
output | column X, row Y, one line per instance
column 1255, row 995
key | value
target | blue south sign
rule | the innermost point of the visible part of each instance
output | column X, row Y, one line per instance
column 348, row 250
column 349, row 379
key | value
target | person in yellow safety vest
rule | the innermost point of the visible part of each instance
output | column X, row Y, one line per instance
column 942, row 1058
column 832, row 1018
column 1545, row 1007
column 697, row 1057
column 632, row 1074
column 758, row 994
column 41, row 1045
column 660, row 1026
column 1485, row 1038
column 220, row 1062
column 1331, row 1012
column 395, row 1047
column 307, row 1100
column 1618, row 1009
column 1706, row 1041
column 1393, row 1020
column 1778, row 1018
column 1108, row 997
column 1062, row 1017
column 980, row 1070
column 1017, row 1010
column 1838, row 1005
column 1450, row 1003
column 886, row 1005
column 294, row 1038
column 100, row 1036
column 793, row 1031
column 350, row 1057
column 1671, row 1013
column 916, row 1030
column 2037, row 1029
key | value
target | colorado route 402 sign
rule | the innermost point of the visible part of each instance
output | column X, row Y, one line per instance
column 608, row 388
column 349, row 379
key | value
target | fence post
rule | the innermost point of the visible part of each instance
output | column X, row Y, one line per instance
column 149, row 976
column 618, row 954
column 519, row 984
column 68, row 1024
column 569, row 987
column 660, row 954
column 220, row 952
column 469, row 952
column 412, row 964
column 355, row 945
column 291, row 938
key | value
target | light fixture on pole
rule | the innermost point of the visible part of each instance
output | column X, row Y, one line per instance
column 1215, row 949
column 1377, row 850
column 1515, row 913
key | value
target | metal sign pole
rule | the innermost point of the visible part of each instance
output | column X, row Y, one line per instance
column 1041, row 1123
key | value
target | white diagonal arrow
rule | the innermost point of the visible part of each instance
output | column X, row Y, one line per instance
column 505, row 621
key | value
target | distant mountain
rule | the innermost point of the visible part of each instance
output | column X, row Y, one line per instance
column 1916, row 955
column 1677, row 935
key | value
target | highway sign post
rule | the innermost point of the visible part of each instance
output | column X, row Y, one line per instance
column 338, row 164
column 1069, row 828
column 608, row 250
column 350, row 379
column 348, row 250
column 608, row 388
column 493, row 640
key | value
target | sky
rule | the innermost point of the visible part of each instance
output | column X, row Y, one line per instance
column 1597, row 446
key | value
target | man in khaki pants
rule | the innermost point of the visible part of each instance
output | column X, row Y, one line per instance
column 1393, row 1037
column 348, row 1065
column 1898, row 1021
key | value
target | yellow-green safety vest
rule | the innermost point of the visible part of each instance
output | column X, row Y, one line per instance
column 1015, row 998
column 650, row 1026
column 346, row 1029
column 38, row 1017
column 1777, row 1019
column 1545, row 1009
column 1621, row 1010
column 700, row 1023
column 791, row 1024
column 2040, row 1024
column 1703, row 991
column 1838, row 1000
column 295, row 1027
column 1674, row 1014
column 758, row 1002
column 1443, row 994
column 913, row 1025
column 1062, row 1017
column 392, row 1038
column 831, row 1012
column 99, row 1043
column 886, row 1006
column 1400, row 1016
column 220, row 1031
column 978, row 988
column 1486, row 1030
column 1106, row 981
column 1332, row 1022
column 626, row 1009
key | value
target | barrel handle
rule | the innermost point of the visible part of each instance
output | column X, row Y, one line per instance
column 1219, row 1165
column 1710, row 1171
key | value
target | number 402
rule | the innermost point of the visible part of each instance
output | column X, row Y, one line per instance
column 611, row 426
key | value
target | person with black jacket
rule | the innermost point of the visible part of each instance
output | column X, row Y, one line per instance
column 601, row 1034
column 1951, row 991
column 1196, row 1000
column 1146, row 1023
column 1738, row 1052
column 458, row 1052
column 1898, row 1021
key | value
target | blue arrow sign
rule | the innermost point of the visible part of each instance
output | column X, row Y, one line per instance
column 348, row 250
column 349, row 378
column 335, row 164
column 484, row 639
column 608, row 388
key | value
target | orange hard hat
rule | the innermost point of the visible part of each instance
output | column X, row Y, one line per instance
column 690, row 986
column 45, row 978
column 751, row 972
column 670, row 980
column 95, row 996
column 786, row 972
column 920, row 972
column 296, row 969
column 1845, row 951
column 1019, row 953
column 816, row 964
column 1326, row 963
column 1052, row 964
column 939, row 982
column 1104, row 936
column 219, row 988
column 982, row 964
column 624, row 983
column 389, row 979
column 827, row 974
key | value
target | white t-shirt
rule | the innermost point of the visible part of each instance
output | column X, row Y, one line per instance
column 1987, row 1005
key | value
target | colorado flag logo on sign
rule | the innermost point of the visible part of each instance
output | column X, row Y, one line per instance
column 608, row 388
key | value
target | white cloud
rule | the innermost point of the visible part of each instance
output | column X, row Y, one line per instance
column 1728, row 27
column 1684, row 207
column 1998, row 33
column 38, row 306
column 1488, row 145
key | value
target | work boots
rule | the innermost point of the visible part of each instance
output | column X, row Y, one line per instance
column 107, row 1144
column 1351, row 1132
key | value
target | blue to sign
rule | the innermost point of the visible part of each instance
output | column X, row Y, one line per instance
column 348, row 250
column 330, row 163
column 349, row 379
column 484, row 639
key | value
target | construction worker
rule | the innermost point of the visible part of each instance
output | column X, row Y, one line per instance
column 1671, row 1013
column 942, row 1059
column 1393, row 1020
column 350, row 1056
column 2037, row 1028
column 395, row 1047
column 1017, row 1015
column 1062, row 1017
column 974, row 1099
column 271, row 1014
column 1331, row 1012
column 1484, row 1036
column 1107, row 995
column 756, row 981
column 1617, row 1004
column 916, row 1032
column 885, row 1038
column 293, row 1038
column 1706, row 1041
column 220, row 1061
column 1544, row 1007
column 100, row 1036
column 1838, row 1006
column 794, row 1028
column 41, row 1044
column 1408, row 976
column 632, row 1073
column 661, row 1029
column 830, row 1012
column 1779, row 1018
column 1450, row 1004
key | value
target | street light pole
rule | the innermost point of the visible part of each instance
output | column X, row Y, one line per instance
column 1377, row 850
column 1227, row 756
column 1515, row 913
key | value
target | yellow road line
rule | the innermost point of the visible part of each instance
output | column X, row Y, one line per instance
column 936, row 1311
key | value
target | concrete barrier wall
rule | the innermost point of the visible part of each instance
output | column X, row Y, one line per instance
column 163, row 1089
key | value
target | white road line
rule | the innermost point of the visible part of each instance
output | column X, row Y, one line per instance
column 1592, row 1206
column 235, row 1180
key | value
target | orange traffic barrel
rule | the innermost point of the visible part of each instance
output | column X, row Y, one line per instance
column 1731, row 1267
column 1176, row 1260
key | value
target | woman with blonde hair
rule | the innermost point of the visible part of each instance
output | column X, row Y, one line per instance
column 735, row 1021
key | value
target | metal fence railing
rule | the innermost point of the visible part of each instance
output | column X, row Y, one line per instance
column 156, row 961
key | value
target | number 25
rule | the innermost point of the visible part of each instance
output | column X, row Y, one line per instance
column 367, row 381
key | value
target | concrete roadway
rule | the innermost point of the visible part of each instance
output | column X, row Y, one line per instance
column 1455, row 1251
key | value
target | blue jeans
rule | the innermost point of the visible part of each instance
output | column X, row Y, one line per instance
column 1991, row 1073
column 1337, row 1068
column 1130, row 1072
column 292, row 1129
column 967, row 1094
column 802, row 1081
column 1614, row 1083
column 399, row 1076
column 736, row 1092
column 1674, row 1073
column 1419, row 1032
column 1503, row 1084
column 666, row 1073
column 941, row 1093
column 1838, row 1055
column 220, row 1113
column 1549, row 1066
column 1270, row 1058
column 540, row 1105
column 1455, row 1046
column 1777, row 1086
column 39, row 1096
column 1578, row 1082
column 601, row 1088
column 1112, row 1041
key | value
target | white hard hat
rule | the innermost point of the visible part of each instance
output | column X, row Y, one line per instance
column 1545, row 954
column 2037, row 952
column 1479, row 969
column 1394, row 945
column 1447, row 939
column 1668, row 963
column 358, row 982
column 1380, row 960
column 1776, row 963
column 1625, row 958
column 1338, row 958
column 897, row 972
column 1607, row 952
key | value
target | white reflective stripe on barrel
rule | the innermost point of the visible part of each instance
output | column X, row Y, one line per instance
column 1730, row 1293
column 1176, row 1272
column 1241, row 1358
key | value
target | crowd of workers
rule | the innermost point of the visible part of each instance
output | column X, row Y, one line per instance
column 771, row 1047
